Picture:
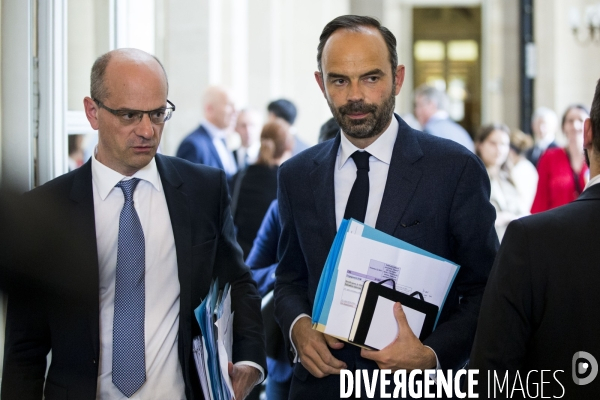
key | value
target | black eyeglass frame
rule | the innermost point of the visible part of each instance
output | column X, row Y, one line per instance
column 121, row 112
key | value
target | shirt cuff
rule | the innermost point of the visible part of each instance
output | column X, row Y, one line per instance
column 255, row 365
column 294, row 351
column 433, row 376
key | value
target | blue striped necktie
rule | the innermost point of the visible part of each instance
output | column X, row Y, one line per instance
column 128, row 364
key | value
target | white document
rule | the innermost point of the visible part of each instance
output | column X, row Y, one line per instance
column 384, row 327
column 225, row 340
column 200, row 364
column 365, row 259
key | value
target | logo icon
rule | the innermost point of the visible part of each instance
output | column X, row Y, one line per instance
column 585, row 368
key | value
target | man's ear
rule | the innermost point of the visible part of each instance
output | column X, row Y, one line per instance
column 319, row 79
column 91, row 112
column 400, row 72
column 588, row 138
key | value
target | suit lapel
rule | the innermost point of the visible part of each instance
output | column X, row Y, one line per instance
column 179, row 211
column 402, row 179
column 82, row 196
column 321, row 178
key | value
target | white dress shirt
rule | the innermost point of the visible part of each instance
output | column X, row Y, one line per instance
column 592, row 182
column 164, row 378
column 218, row 137
column 344, row 176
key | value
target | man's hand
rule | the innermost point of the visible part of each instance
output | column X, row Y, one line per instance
column 406, row 352
column 243, row 379
column 313, row 351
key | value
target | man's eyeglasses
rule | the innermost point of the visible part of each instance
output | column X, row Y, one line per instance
column 133, row 117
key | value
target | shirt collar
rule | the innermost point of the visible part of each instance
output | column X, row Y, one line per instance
column 592, row 182
column 213, row 131
column 382, row 148
column 105, row 178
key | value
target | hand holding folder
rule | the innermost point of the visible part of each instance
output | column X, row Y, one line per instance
column 361, row 254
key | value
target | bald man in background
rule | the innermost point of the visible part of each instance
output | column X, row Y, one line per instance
column 206, row 145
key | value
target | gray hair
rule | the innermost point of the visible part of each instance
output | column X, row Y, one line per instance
column 433, row 94
column 544, row 113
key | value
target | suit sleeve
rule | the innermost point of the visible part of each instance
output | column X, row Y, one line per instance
column 248, row 335
column 505, row 320
column 474, row 244
column 291, row 283
column 262, row 259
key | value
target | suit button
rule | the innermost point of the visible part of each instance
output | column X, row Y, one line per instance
column 94, row 361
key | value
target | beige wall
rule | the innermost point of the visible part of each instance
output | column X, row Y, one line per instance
column 266, row 53
column 567, row 71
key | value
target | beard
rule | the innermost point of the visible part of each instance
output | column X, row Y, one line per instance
column 378, row 116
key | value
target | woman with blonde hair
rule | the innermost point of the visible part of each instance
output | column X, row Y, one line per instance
column 254, row 188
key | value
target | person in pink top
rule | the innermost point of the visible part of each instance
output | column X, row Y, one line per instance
column 563, row 171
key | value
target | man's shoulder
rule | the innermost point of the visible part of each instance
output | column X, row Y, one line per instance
column 187, row 169
column 200, row 134
column 561, row 220
column 61, row 184
column 308, row 156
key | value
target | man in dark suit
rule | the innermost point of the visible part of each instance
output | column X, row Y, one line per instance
column 540, row 306
column 150, row 233
column 206, row 144
column 428, row 191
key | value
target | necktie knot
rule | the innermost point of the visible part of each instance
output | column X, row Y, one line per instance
column 128, row 187
column 361, row 159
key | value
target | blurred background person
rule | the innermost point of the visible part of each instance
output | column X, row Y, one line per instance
column 248, row 125
column 522, row 172
column 263, row 262
column 207, row 144
column 328, row 130
column 255, row 187
column 287, row 111
column 75, row 151
column 563, row 172
column 544, row 124
column 492, row 145
column 431, row 112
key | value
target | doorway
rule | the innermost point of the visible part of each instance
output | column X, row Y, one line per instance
column 447, row 55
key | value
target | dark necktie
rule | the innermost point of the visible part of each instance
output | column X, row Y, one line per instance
column 128, row 364
column 359, row 195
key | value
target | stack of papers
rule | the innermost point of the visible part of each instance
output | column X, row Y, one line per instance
column 361, row 253
column 212, row 350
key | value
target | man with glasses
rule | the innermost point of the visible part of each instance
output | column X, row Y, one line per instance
column 152, row 232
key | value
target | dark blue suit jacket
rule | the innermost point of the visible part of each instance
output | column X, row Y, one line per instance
column 263, row 262
column 198, row 148
column 431, row 180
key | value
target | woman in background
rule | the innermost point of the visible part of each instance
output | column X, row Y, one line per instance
column 522, row 172
column 563, row 172
column 255, row 187
column 492, row 145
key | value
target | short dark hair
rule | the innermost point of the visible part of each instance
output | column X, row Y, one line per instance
column 354, row 23
column 595, row 118
column 283, row 108
column 328, row 130
column 98, row 90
